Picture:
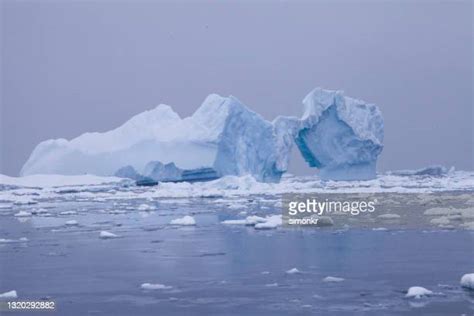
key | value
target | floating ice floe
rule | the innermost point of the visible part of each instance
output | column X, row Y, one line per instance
column 443, row 220
column 7, row 241
column 107, row 235
column 9, row 294
column 155, row 286
column 292, row 271
column 184, row 221
column 68, row 213
column 145, row 207
column 23, row 214
column 268, row 222
column 467, row 281
column 72, row 223
column 271, row 222
column 24, row 200
column 441, row 211
column 418, row 292
column 271, row 285
column 333, row 279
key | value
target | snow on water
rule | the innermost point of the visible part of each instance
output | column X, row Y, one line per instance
column 418, row 292
column 467, row 281
column 184, row 221
column 9, row 294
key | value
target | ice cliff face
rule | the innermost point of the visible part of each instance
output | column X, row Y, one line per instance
column 223, row 137
column 339, row 135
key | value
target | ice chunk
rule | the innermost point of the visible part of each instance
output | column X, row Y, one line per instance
column 155, row 286
column 467, row 281
column 9, row 294
column 8, row 241
column 184, row 221
column 339, row 135
column 223, row 137
column 23, row 214
column 145, row 207
column 107, row 235
column 293, row 271
column 333, row 279
column 418, row 292
column 72, row 223
column 443, row 220
column 270, row 222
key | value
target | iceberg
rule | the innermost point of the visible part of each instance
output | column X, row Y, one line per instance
column 339, row 135
column 223, row 137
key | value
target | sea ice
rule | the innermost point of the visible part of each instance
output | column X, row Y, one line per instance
column 107, row 235
column 184, row 221
column 333, row 279
column 293, row 271
column 418, row 292
column 145, row 207
column 9, row 294
column 155, row 286
column 23, row 214
column 271, row 222
column 72, row 223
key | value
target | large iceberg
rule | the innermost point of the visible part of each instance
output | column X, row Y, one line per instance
column 339, row 135
column 223, row 137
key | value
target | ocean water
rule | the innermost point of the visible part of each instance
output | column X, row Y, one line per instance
column 216, row 269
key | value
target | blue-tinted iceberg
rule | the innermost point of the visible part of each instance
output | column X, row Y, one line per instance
column 223, row 137
column 339, row 135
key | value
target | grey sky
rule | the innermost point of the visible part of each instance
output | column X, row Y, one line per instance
column 69, row 68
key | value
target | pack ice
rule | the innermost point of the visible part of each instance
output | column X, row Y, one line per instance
column 223, row 137
column 339, row 135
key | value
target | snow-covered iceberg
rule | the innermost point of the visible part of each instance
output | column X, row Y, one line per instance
column 223, row 137
column 339, row 135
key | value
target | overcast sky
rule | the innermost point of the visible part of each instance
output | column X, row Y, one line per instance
column 69, row 68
